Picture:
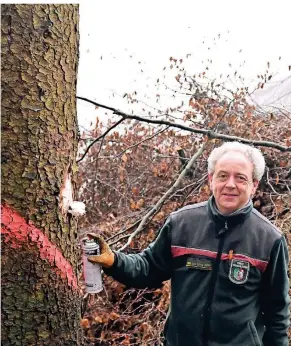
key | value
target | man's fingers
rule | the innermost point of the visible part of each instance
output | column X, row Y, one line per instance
column 95, row 259
column 102, row 243
column 94, row 236
column 106, row 258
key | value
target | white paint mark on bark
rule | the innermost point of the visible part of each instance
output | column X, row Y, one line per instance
column 67, row 194
column 77, row 208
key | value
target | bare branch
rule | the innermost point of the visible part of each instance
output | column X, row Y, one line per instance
column 122, row 231
column 111, row 186
column 177, row 91
column 193, row 186
column 144, row 140
column 100, row 147
column 164, row 197
column 223, row 115
column 98, row 138
column 209, row 133
column 271, row 186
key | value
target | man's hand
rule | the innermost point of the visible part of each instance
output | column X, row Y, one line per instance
column 106, row 257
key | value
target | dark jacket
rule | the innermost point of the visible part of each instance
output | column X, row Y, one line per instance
column 229, row 282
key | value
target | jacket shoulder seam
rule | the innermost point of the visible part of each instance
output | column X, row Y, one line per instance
column 265, row 220
column 189, row 207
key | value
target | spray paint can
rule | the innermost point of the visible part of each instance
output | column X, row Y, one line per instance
column 92, row 272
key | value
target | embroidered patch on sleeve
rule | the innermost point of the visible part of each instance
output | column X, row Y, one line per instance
column 199, row 263
column 239, row 271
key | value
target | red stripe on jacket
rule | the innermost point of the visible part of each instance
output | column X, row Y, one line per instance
column 180, row 251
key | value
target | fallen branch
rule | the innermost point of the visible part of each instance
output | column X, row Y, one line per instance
column 172, row 189
column 209, row 133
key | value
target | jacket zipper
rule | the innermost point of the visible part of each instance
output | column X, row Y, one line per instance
column 212, row 283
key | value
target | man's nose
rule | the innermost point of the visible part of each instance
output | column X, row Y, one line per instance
column 230, row 182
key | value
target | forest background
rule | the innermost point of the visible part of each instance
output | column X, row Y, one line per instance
column 155, row 92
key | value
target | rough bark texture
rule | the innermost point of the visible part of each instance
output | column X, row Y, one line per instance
column 40, row 299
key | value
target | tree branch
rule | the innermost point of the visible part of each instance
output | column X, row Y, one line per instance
column 122, row 231
column 164, row 197
column 209, row 133
column 144, row 140
column 101, row 136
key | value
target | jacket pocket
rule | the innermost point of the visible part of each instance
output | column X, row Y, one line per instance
column 253, row 333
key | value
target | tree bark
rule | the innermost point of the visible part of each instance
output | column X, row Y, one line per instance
column 40, row 296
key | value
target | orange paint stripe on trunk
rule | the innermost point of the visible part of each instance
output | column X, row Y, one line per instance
column 17, row 231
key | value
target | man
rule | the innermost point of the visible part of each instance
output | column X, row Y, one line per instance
column 227, row 263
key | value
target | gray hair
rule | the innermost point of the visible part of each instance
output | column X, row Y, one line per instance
column 253, row 154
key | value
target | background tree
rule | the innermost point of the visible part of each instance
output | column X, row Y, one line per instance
column 40, row 298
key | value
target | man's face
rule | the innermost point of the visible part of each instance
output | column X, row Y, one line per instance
column 232, row 182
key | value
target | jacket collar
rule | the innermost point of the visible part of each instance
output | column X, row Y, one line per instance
column 234, row 218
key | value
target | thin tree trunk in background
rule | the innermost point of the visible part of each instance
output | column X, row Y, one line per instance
column 40, row 297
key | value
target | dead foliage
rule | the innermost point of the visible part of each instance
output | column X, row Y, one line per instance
column 125, row 174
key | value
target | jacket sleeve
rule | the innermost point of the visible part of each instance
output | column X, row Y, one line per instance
column 276, row 301
column 148, row 268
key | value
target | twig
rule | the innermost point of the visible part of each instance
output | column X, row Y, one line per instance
column 192, row 191
column 129, row 235
column 130, row 227
column 164, row 197
column 223, row 115
column 101, row 136
column 268, row 182
column 100, row 147
column 209, row 133
column 112, row 187
column 144, row 140
column 193, row 185
column 123, row 231
column 119, row 239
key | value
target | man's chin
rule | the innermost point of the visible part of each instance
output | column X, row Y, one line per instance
column 228, row 208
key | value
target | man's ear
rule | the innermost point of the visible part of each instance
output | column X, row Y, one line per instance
column 210, row 178
column 255, row 186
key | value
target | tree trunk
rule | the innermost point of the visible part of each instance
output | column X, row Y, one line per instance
column 40, row 296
